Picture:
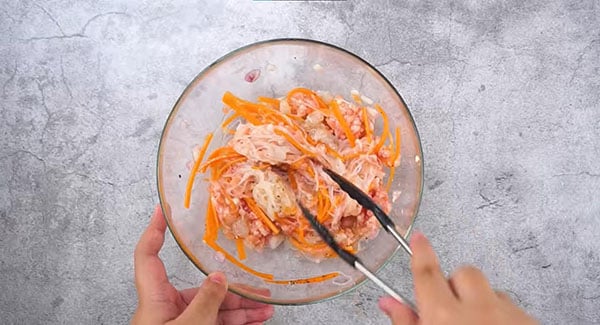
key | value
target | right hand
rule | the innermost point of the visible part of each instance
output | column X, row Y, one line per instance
column 466, row 298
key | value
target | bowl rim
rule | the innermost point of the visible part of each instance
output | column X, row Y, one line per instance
column 296, row 302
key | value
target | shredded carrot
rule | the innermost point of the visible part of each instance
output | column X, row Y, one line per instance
column 315, row 279
column 394, row 157
column 398, row 143
column 386, row 130
column 333, row 152
column 229, row 120
column 269, row 100
column 234, row 261
column 261, row 215
column 292, row 179
column 226, row 150
column 323, row 205
column 190, row 183
column 390, row 179
column 352, row 155
column 255, row 113
column 343, row 123
column 242, row 107
column 294, row 143
column 306, row 92
column 356, row 98
column 301, row 162
column 239, row 243
column 296, row 164
column 210, row 162
column 226, row 166
column 350, row 249
column 365, row 117
column 212, row 228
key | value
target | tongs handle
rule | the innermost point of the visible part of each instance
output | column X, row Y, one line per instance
column 352, row 259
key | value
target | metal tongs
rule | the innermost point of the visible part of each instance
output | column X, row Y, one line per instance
column 364, row 200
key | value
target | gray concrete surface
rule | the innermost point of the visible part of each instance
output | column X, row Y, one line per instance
column 506, row 96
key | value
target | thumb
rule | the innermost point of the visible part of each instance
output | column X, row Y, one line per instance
column 203, row 309
column 398, row 313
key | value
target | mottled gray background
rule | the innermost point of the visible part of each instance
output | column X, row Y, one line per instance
column 506, row 96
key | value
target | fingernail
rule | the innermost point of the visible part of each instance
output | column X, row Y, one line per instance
column 217, row 278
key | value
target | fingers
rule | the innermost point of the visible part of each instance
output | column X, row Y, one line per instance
column 233, row 301
column 431, row 287
column 205, row 305
column 153, row 237
column 469, row 284
column 149, row 269
column 397, row 312
column 188, row 294
column 503, row 296
column 244, row 316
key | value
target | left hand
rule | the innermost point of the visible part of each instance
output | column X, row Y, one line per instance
column 160, row 303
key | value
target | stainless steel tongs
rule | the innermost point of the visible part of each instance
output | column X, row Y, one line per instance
column 364, row 200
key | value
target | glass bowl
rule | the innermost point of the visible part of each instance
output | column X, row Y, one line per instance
column 272, row 68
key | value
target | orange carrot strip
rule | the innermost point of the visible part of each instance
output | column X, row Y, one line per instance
column 212, row 228
column 356, row 98
column 386, row 130
column 234, row 261
column 398, row 143
column 352, row 155
column 261, row 215
column 390, row 179
column 226, row 166
column 190, row 183
column 326, row 204
column 343, row 123
column 209, row 162
column 229, row 120
column 279, row 117
column 296, row 164
column 242, row 107
column 365, row 117
column 307, row 92
column 394, row 157
column 315, row 279
column 239, row 243
column 254, row 113
column 294, row 143
column 237, row 103
column 269, row 100
column 292, row 179
column 333, row 152
column 222, row 151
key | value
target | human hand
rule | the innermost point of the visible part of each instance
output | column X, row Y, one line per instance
column 160, row 303
column 466, row 298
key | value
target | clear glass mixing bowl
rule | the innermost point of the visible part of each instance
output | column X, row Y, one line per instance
column 271, row 68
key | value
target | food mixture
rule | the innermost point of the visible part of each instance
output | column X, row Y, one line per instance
column 275, row 157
